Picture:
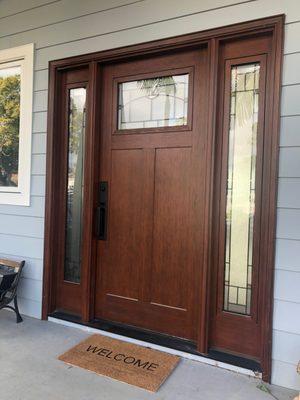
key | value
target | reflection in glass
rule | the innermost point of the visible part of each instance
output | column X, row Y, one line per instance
column 10, row 81
column 152, row 103
column 240, row 200
column 76, row 139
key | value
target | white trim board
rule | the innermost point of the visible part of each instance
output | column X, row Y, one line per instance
column 179, row 353
column 22, row 57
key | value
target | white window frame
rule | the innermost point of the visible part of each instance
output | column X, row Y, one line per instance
column 21, row 56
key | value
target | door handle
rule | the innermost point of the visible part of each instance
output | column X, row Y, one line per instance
column 101, row 212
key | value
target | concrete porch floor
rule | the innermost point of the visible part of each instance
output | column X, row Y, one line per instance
column 30, row 370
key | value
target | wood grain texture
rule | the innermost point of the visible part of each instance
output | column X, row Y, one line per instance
column 172, row 232
column 202, row 144
column 125, row 224
column 147, row 268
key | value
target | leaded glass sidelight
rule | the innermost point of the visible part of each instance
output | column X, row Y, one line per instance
column 76, row 137
column 153, row 103
column 240, row 192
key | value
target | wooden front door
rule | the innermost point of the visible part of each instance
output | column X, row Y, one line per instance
column 161, row 190
column 151, row 199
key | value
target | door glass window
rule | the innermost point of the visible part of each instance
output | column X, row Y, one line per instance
column 76, row 137
column 240, row 195
column 153, row 103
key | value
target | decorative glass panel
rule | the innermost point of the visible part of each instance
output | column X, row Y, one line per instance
column 240, row 200
column 152, row 103
column 74, row 221
column 10, row 81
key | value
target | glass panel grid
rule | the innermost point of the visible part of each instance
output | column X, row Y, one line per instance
column 76, row 138
column 153, row 103
column 240, row 191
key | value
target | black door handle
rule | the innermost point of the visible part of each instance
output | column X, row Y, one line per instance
column 101, row 212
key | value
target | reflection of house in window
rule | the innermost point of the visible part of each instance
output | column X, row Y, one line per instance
column 16, row 91
column 10, row 85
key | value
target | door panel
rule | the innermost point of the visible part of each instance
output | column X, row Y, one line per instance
column 148, row 268
column 125, row 231
column 172, row 229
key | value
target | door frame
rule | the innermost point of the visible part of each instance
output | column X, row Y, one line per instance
column 212, row 39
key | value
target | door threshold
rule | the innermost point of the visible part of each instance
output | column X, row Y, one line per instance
column 211, row 359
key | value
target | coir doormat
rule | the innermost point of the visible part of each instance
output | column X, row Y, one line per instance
column 126, row 362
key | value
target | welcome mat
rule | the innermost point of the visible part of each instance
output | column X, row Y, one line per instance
column 126, row 362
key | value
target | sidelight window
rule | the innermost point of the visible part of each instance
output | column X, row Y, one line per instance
column 240, row 193
column 76, row 137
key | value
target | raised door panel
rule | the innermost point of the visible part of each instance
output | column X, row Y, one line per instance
column 172, row 247
column 123, row 272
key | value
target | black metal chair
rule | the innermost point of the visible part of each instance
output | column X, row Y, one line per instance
column 10, row 273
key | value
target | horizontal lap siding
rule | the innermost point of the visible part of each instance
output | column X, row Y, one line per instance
column 36, row 208
column 39, row 143
column 12, row 7
column 38, row 166
column 55, row 12
column 70, row 27
column 19, row 225
column 290, row 130
column 289, row 193
column 39, row 122
column 40, row 99
column 286, row 326
column 21, row 246
column 291, row 70
column 283, row 374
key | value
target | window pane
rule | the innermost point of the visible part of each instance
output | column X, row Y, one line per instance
column 10, row 81
column 76, row 136
column 152, row 103
column 240, row 201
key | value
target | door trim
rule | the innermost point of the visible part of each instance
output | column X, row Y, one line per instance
column 212, row 39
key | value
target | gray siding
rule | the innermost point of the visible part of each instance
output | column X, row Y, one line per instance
column 64, row 28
